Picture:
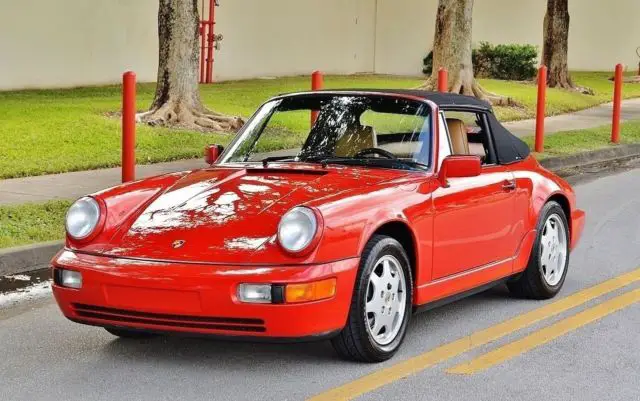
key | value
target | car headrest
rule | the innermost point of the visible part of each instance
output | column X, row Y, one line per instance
column 458, row 135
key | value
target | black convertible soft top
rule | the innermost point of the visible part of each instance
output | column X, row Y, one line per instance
column 443, row 100
column 509, row 148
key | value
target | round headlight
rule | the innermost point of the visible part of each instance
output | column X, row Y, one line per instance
column 297, row 229
column 82, row 218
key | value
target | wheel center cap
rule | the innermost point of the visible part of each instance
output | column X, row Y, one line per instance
column 387, row 298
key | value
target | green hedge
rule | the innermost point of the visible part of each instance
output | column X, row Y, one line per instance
column 509, row 62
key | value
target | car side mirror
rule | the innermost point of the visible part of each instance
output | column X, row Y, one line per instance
column 459, row 166
column 212, row 153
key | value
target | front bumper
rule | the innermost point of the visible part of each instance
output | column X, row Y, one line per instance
column 200, row 298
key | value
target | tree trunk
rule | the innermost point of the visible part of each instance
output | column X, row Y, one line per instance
column 177, row 99
column 556, row 44
column 452, row 51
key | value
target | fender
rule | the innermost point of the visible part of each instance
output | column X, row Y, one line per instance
column 349, row 225
column 521, row 258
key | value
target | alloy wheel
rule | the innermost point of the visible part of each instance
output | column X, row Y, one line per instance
column 385, row 303
column 554, row 249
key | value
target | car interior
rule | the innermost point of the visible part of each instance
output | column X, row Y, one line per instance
column 356, row 139
column 378, row 129
column 469, row 135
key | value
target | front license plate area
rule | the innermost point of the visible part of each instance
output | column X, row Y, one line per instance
column 153, row 300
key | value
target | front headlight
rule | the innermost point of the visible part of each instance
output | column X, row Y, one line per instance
column 82, row 218
column 297, row 229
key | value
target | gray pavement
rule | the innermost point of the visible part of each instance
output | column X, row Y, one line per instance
column 77, row 184
column 46, row 357
column 589, row 118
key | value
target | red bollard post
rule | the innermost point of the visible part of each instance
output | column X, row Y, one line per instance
column 443, row 80
column 542, row 94
column 617, row 105
column 128, row 126
column 317, row 83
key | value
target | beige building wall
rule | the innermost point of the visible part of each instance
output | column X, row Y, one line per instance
column 289, row 37
column 61, row 43
column 602, row 32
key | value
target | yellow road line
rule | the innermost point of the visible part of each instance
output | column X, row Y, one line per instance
column 546, row 334
column 440, row 354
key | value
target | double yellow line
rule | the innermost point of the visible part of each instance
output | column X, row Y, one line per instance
column 440, row 354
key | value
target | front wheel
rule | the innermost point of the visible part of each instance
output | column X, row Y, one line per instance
column 549, row 260
column 381, row 303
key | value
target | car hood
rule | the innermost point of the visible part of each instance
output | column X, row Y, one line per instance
column 230, row 215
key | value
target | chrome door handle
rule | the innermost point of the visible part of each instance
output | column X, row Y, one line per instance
column 509, row 185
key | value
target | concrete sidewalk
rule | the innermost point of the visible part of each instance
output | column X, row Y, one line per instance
column 589, row 118
column 74, row 185
column 77, row 184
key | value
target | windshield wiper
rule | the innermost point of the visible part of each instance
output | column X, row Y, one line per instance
column 325, row 159
column 373, row 162
column 266, row 160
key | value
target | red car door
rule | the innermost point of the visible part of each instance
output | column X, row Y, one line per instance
column 474, row 222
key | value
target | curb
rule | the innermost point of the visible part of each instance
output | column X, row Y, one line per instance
column 37, row 256
column 565, row 165
column 22, row 259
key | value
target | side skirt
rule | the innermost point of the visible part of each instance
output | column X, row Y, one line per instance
column 459, row 296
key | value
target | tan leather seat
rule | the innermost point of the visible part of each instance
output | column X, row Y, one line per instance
column 458, row 135
column 355, row 140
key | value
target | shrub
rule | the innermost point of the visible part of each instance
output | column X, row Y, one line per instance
column 510, row 62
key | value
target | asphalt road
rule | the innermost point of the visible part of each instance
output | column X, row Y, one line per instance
column 583, row 345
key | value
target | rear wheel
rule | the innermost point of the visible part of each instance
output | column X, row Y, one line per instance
column 124, row 333
column 549, row 260
column 381, row 304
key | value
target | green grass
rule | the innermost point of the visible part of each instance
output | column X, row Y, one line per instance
column 558, row 101
column 32, row 222
column 569, row 142
column 53, row 131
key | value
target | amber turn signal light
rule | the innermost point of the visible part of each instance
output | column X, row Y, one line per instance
column 307, row 292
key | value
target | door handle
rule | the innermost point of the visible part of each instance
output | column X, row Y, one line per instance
column 509, row 185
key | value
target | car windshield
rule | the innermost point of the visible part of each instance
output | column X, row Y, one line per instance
column 372, row 130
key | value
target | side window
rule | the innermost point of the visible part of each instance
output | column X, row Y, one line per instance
column 444, row 142
column 469, row 135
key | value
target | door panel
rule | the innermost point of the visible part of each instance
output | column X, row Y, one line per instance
column 473, row 222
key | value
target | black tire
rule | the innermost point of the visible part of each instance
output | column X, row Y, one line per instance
column 355, row 341
column 131, row 334
column 531, row 282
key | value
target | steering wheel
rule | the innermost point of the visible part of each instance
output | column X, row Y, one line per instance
column 375, row 151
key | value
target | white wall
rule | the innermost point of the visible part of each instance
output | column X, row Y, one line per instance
column 288, row 37
column 602, row 32
column 404, row 35
column 58, row 43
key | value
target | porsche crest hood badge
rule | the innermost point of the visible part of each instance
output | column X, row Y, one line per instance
column 177, row 244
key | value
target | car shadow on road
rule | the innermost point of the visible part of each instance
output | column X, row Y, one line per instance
column 196, row 350
column 206, row 351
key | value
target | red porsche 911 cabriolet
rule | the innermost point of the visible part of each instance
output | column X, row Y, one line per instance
column 392, row 202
